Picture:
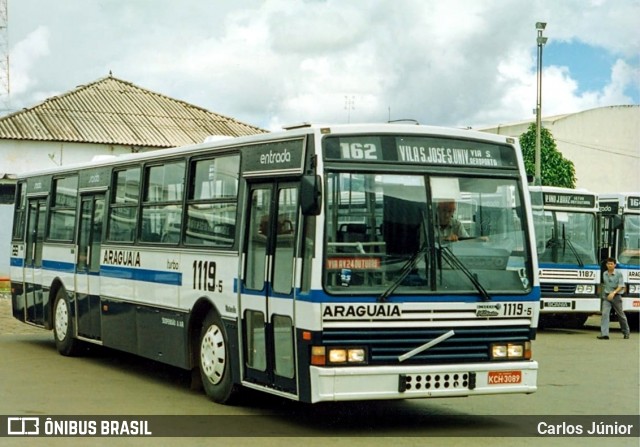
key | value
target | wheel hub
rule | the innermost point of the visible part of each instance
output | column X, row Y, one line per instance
column 212, row 354
column 62, row 319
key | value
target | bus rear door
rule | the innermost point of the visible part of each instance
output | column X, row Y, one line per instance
column 36, row 219
column 88, row 265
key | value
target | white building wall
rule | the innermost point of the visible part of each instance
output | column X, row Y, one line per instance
column 602, row 143
column 6, row 217
column 17, row 157
column 24, row 156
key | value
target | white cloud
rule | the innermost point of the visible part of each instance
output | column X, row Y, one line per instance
column 622, row 75
column 561, row 93
column 274, row 62
column 24, row 58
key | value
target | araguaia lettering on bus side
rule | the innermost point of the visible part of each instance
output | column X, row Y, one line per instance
column 356, row 311
column 122, row 257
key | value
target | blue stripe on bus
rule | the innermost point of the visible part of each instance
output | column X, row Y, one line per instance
column 320, row 296
column 547, row 265
column 154, row 276
column 59, row 266
column 627, row 266
column 110, row 271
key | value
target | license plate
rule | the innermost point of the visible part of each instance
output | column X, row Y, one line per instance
column 558, row 304
column 504, row 377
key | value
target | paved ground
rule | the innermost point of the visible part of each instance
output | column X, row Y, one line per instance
column 578, row 375
column 8, row 324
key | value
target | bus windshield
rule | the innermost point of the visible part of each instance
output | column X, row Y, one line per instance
column 567, row 238
column 420, row 234
column 630, row 240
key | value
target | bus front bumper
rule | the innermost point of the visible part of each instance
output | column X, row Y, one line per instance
column 409, row 382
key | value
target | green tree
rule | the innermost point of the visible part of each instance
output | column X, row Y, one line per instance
column 555, row 170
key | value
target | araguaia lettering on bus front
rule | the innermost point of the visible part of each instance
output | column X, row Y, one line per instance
column 356, row 311
column 121, row 257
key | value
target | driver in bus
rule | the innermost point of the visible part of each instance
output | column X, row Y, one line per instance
column 448, row 228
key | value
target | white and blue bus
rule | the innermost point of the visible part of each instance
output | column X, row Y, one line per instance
column 620, row 239
column 566, row 226
column 301, row 263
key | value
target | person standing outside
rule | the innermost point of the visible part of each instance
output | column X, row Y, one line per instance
column 613, row 286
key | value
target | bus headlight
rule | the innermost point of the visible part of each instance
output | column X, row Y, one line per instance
column 321, row 355
column 347, row 355
column 634, row 288
column 586, row 288
column 511, row 351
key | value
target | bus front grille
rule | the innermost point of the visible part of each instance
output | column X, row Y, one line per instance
column 385, row 346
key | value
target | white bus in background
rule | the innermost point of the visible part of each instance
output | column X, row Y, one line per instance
column 566, row 225
column 620, row 239
column 301, row 263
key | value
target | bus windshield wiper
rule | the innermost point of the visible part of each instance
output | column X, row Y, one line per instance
column 406, row 268
column 454, row 261
column 571, row 247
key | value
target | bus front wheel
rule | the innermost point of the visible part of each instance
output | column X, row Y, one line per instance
column 214, row 361
column 63, row 325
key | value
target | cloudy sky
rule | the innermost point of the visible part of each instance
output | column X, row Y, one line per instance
column 275, row 62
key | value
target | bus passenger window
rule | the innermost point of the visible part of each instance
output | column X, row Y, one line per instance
column 162, row 206
column 212, row 202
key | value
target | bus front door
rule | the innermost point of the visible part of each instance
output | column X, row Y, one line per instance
column 267, row 300
column 88, row 266
column 33, row 261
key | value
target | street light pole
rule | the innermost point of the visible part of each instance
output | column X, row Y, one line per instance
column 540, row 26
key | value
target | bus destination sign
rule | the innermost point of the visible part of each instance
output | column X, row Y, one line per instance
column 609, row 208
column 39, row 185
column 633, row 203
column 570, row 200
column 422, row 150
column 446, row 155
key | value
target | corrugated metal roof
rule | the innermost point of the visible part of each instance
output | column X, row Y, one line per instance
column 113, row 111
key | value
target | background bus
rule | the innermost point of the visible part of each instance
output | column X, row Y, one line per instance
column 620, row 239
column 302, row 263
column 566, row 225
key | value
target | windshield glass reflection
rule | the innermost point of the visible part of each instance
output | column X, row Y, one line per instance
column 413, row 234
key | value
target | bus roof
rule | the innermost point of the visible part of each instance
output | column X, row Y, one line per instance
column 293, row 132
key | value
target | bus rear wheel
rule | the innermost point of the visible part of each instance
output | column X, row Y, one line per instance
column 63, row 325
column 214, row 361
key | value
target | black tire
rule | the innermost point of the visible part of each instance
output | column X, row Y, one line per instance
column 633, row 318
column 576, row 321
column 546, row 321
column 63, row 330
column 214, row 361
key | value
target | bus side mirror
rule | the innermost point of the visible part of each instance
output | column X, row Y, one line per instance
column 616, row 222
column 311, row 195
